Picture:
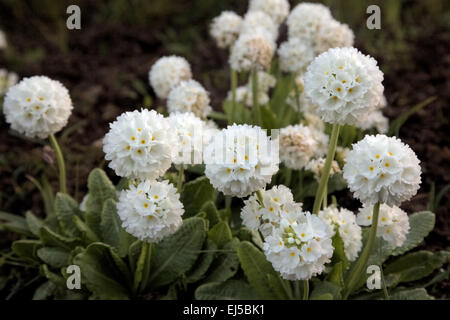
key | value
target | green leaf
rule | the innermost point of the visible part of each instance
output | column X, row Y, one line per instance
column 65, row 209
column 256, row 268
column 421, row 223
column 100, row 274
column 134, row 252
column 142, row 267
column 268, row 117
column 89, row 236
column 322, row 290
column 203, row 263
column 57, row 279
column 53, row 239
column 177, row 253
column 44, row 291
column 195, row 194
column 100, row 190
column 33, row 222
column 411, row 294
column 110, row 224
column 336, row 274
column 26, row 248
column 229, row 290
column 226, row 264
column 220, row 234
column 211, row 212
column 54, row 257
column 15, row 223
column 339, row 251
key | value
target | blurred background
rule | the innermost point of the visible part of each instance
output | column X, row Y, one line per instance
column 105, row 67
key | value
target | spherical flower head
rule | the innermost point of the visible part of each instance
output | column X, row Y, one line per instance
column 277, row 203
column 225, row 28
column 276, row 9
column 252, row 51
column 37, row 106
column 167, row 73
column 241, row 159
column 189, row 131
column 345, row 85
column 306, row 19
column 140, row 145
column 295, row 55
column 393, row 223
column 299, row 144
column 344, row 222
column 374, row 119
column 258, row 21
column 333, row 34
column 7, row 80
column 317, row 165
column 299, row 248
column 189, row 96
column 151, row 210
column 382, row 169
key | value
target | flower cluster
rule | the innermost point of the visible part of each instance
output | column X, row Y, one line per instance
column 295, row 55
column 393, row 223
column 225, row 28
column 317, row 165
column 276, row 9
column 189, row 96
column 37, row 106
column 252, row 51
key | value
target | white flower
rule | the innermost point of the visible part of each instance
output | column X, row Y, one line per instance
column 252, row 51
column 333, row 34
column 37, row 106
column 140, row 145
column 276, row 203
column 151, row 210
column 382, row 169
column 345, row 85
column 299, row 144
column 374, row 119
column 306, row 19
column 240, row 160
column 7, row 80
column 189, row 131
column 345, row 222
column 276, row 9
column 393, row 223
column 295, row 55
column 3, row 42
column 189, row 96
column 299, row 248
column 258, row 21
column 245, row 95
column 225, row 28
column 317, row 165
column 167, row 73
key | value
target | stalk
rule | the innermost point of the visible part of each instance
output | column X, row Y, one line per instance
column 326, row 170
column 255, row 95
column 180, row 178
column 361, row 264
column 61, row 165
column 305, row 289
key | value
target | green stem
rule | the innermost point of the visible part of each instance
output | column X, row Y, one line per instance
column 233, row 77
column 255, row 95
column 146, row 271
column 297, row 96
column 325, row 196
column 180, row 178
column 326, row 170
column 360, row 266
column 305, row 289
column 297, row 290
column 260, row 197
column 61, row 165
column 385, row 291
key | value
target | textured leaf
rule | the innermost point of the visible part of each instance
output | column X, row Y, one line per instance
column 44, row 291
column 57, row 279
column 26, row 248
column 411, row 294
column 225, row 265
column 195, row 194
column 211, row 212
column 14, row 223
column 336, row 274
column 321, row 290
column 142, row 267
column 229, row 290
column 33, row 222
column 203, row 263
column 176, row 254
column 134, row 252
column 220, row 234
column 65, row 209
column 110, row 224
column 54, row 257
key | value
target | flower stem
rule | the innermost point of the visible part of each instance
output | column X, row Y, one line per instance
column 260, row 197
column 305, row 289
column 180, row 178
column 326, row 170
column 255, row 95
column 61, row 165
column 297, row 96
column 325, row 196
column 359, row 268
column 233, row 79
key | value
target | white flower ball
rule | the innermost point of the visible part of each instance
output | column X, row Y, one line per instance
column 277, row 203
column 393, row 223
column 344, row 221
column 299, row 144
column 189, row 96
column 258, row 21
column 300, row 248
column 168, row 72
column 225, row 28
column 333, row 34
column 374, row 119
column 140, row 145
column 316, row 166
column 382, row 169
column 306, row 19
column 345, row 85
column 37, row 106
column 276, row 9
column 151, row 210
column 7, row 80
column 240, row 160
column 252, row 51
column 189, row 131
column 295, row 55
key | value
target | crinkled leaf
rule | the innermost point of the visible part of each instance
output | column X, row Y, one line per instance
column 54, row 256
column 226, row 264
column 220, row 234
column 65, row 209
column 33, row 222
column 195, row 194
column 229, row 290
column 203, row 263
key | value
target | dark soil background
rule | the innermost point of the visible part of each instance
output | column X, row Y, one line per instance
column 105, row 67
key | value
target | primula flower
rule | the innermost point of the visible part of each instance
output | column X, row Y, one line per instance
column 189, row 96
column 306, row 20
column 295, row 55
column 225, row 28
column 252, row 51
column 276, row 9
column 168, row 72
column 258, row 21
